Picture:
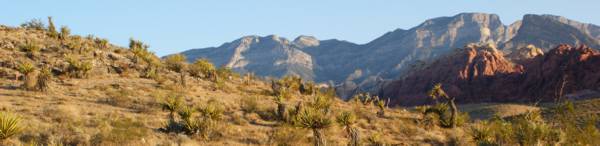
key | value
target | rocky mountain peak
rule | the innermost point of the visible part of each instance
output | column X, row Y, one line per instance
column 306, row 41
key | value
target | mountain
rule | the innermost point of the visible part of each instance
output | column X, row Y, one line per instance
column 482, row 74
column 363, row 67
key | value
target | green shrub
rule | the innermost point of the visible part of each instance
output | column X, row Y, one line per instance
column 78, row 68
column 202, row 68
column 51, row 28
column 316, row 117
column 36, row 24
column 9, row 125
column 249, row 104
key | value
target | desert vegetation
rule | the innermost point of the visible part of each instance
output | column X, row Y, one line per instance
column 78, row 90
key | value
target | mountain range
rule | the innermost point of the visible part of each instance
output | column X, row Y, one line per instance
column 356, row 67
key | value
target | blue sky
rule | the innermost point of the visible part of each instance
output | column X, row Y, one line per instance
column 176, row 25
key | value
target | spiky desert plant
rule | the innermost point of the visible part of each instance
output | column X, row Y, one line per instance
column 31, row 48
column 65, row 32
column 382, row 106
column 172, row 104
column 43, row 81
column 281, row 107
column 51, row 28
column 202, row 68
column 437, row 92
column 9, row 125
column 139, row 50
column 347, row 120
column 178, row 64
column 211, row 114
column 316, row 120
column 482, row 134
column 102, row 43
column 78, row 68
column 27, row 70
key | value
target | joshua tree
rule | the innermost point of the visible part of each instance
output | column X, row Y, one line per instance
column 65, row 32
column 177, row 64
column 281, row 107
column 51, row 29
column 44, row 79
column 381, row 106
column 27, row 70
column 437, row 92
column 172, row 104
column 347, row 119
column 315, row 120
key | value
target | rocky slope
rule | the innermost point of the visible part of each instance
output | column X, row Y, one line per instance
column 361, row 67
column 481, row 73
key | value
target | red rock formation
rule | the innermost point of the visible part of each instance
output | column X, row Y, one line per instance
column 482, row 74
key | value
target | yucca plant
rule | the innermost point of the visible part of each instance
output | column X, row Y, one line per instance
column 482, row 134
column 43, row 81
column 347, row 120
column 78, row 68
column 172, row 105
column 437, row 92
column 281, row 107
column 382, row 106
column 65, row 32
column 31, row 49
column 202, row 68
column 178, row 64
column 316, row 120
column 51, row 28
column 9, row 125
column 27, row 70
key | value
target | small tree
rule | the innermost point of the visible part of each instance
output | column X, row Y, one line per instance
column 36, row 24
column 51, row 29
column 177, row 63
column 437, row 92
column 27, row 70
column 65, row 32
column 316, row 117
column 281, row 107
column 43, row 82
column 382, row 106
column 347, row 120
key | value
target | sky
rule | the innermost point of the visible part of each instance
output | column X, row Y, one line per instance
column 176, row 25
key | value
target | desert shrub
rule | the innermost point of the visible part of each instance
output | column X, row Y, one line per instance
column 123, row 131
column 43, row 80
column 78, row 68
column 202, row 68
column 65, row 32
column 178, row 64
column 482, row 134
column 249, row 104
column 51, row 28
column 308, row 88
column 375, row 140
column 211, row 115
column 172, row 104
column 36, row 24
column 287, row 136
column 9, row 125
column 139, row 50
column 281, row 111
column 31, row 49
column 101, row 43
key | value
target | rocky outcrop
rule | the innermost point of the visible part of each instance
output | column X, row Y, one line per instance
column 526, row 53
column 482, row 74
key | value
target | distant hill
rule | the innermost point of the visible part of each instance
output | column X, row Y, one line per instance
column 360, row 67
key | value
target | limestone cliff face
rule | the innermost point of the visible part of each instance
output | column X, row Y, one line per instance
column 265, row 56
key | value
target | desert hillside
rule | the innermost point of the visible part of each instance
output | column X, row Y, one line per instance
column 63, row 89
